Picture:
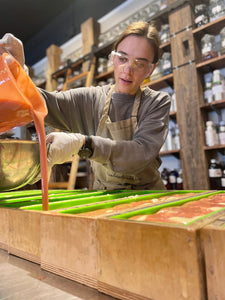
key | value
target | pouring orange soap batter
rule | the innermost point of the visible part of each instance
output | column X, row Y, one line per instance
column 20, row 104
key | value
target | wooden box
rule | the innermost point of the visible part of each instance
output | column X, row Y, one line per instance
column 24, row 234
column 4, row 228
column 213, row 244
column 68, row 247
column 140, row 260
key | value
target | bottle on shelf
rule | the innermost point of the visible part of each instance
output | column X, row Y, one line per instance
column 173, row 179
column 222, row 41
column 218, row 88
column 222, row 133
column 211, row 136
column 208, row 93
column 165, row 178
column 222, row 182
column 215, row 174
column 180, row 180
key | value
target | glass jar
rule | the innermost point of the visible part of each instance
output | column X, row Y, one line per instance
column 102, row 65
column 201, row 15
column 208, row 94
column 165, row 33
column 157, row 73
column 208, row 47
column 216, row 9
column 222, row 41
column 166, row 63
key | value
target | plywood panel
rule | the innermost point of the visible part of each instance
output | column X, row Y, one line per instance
column 213, row 240
column 153, row 262
column 68, row 247
column 4, row 228
column 24, row 234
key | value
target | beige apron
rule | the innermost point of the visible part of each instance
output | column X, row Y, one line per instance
column 105, row 177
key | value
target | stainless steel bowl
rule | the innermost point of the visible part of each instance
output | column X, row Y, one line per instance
column 19, row 163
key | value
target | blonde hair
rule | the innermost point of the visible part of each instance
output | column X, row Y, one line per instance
column 142, row 29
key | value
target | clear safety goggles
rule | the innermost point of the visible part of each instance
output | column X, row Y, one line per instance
column 141, row 65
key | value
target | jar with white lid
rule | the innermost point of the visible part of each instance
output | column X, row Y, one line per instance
column 165, row 33
column 216, row 9
column 208, row 47
column 201, row 15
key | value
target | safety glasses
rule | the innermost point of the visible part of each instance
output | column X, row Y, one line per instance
column 136, row 64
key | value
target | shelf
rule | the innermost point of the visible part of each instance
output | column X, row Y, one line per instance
column 170, row 152
column 210, row 28
column 213, row 105
column 74, row 78
column 104, row 75
column 173, row 114
column 165, row 46
column 216, row 147
column 160, row 83
column 73, row 65
column 211, row 64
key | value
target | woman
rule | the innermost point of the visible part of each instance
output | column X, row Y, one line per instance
column 121, row 127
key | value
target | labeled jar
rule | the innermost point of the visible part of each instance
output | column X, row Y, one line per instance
column 166, row 63
column 201, row 15
column 165, row 33
column 102, row 65
column 216, row 9
column 222, row 41
column 208, row 93
column 217, row 86
column 208, row 47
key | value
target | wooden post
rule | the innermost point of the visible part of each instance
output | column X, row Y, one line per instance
column 187, row 90
column 90, row 30
column 53, row 55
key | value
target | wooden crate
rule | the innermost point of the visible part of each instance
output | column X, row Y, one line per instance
column 213, row 244
column 4, row 228
column 24, row 234
column 140, row 261
column 68, row 247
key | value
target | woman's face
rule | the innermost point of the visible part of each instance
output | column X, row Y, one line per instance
column 132, row 63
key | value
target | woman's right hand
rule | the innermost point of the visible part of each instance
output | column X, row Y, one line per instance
column 9, row 43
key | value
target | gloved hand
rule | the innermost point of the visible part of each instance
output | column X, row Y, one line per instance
column 9, row 43
column 62, row 146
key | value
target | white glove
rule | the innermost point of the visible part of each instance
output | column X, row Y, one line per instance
column 9, row 43
column 62, row 146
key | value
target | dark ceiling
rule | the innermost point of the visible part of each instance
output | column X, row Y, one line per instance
column 41, row 23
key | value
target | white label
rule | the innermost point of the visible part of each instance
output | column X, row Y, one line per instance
column 215, row 173
column 223, row 182
column 173, row 179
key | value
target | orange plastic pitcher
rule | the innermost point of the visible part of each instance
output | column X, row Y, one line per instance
column 18, row 95
column 21, row 103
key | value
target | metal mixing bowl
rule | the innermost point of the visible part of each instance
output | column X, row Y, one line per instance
column 19, row 163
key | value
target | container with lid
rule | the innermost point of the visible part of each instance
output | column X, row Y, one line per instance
column 208, row 94
column 165, row 33
column 218, row 88
column 222, row 133
column 208, row 47
column 201, row 15
column 216, row 9
column 222, row 41
column 166, row 63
